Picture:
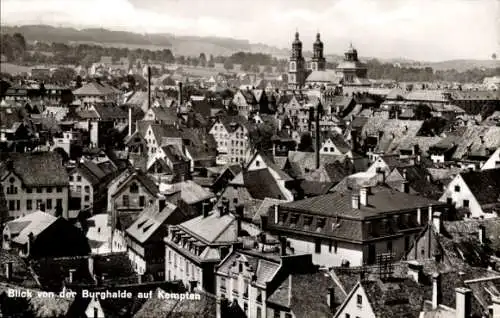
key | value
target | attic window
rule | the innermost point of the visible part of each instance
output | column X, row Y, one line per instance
column 457, row 188
column 257, row 163
column 134, row 188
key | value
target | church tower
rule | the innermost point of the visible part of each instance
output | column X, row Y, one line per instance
column 296, row 69
column 318, row 62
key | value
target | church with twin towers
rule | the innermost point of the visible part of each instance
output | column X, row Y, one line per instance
column 313, row 73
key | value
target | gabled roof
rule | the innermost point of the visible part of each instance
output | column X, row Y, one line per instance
column 418, row 179
column 140, row 177
column 149, row 221
column 213, row 229
column 302, row 294
column 94, row 89
column 191, row 192
column 35, row 223
column 264, row 207
column 168, row 116
column 109, row 112
column 484, row 185
column 381, row 201
column 174, row 154
column 39, row 169
column 261, row 184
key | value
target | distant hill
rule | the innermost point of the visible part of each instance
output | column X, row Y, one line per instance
column 183, row 45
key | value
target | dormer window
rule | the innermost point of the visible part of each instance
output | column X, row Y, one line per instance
column 134, row 188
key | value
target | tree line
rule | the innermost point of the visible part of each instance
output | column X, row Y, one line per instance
column 17, row 50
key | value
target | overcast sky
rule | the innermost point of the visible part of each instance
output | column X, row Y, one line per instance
column 417, row 29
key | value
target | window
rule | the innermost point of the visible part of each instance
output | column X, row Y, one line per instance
column 259, row 312
column 223, row 284
column 449, row 201
column 29, row 204
column 79, row 178
column 59, row 189
column 49, row 204
column 29, row 190
column 359, row 300
column 317, row 246
column 87, row 198
column 49, row 189
column 12, row 205
column 71, row 178
column 321, row 223
column 276, row 313
column 87, row 189
column 307, row 221
column 347, row 316
column 332, row 149
column 38, row 190
column 466, row 203
column 288, row 315
column 134, row 188
column 245, row 290
column 389, row 246
column 125, row 200
column 79, row 188
column 293, row 219
column 325, row 149
column 142, row 201
column 407, row 243
column 457, row 188
column 257, row 163
column 59, row 202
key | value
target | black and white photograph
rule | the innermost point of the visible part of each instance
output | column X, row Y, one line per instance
column 250, row 159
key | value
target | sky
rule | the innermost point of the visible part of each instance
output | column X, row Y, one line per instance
column 427, row 30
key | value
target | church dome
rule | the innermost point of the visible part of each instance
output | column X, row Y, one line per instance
column 297, row 40
column 318, row 40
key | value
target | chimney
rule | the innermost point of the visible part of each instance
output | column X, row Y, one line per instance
column 354, row 140
column 405, row 186
column 149, row 87
column 463, row 302
column 130, row 121
column 91, row 266
column 330, row 298
column 355, row 201
column 220, row 208
column 318, row 141
column 283, row 243
column 496, row 306
column 239, row 217
column 363, row 196
column 415, row 271
column 225, row 202
column 482, row 234
column 429, row 216
column 436, row 221
column 179, row 94
column 419, row 216
column 139, row 278
column 205, row 209
column 436, row 290
column 71, row 275
column 31, row 238
column 8, row 270
column 161, row 204
column 405, row 174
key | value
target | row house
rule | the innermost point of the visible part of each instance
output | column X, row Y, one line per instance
column 246, row 103
column 193, row 248
column 144, row 238
column 88, row 187
column 255, row 274
column 353, row 228
column 232, row 138
column 35, row 181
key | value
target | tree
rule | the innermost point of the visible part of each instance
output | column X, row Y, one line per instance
column 246, row 67
column 228, row 65
column 306, row 143
column 423, row 112
column 195, row 62
column 203, row 60
column 211, row 62
column 78, row 81
column 63, row 75
column 255, row 69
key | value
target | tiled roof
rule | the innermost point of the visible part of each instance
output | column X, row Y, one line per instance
column 426, row 95
column 261, row 184
column 470, row 228
column 306, row 161
column 470, row 141
column 94, row 89
column 264, row 207
column 473, row 95
column 109, row 112
column 302, row 293
column 167, row 116
column 381, row 201
column 484, row 185
column 394, row 132
column 175, row 308
column 418, row 181
column 35, row 223
column 149, row 221
column 327, row 76
column 213, row 229
column 39, row 169
column 191, row 192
